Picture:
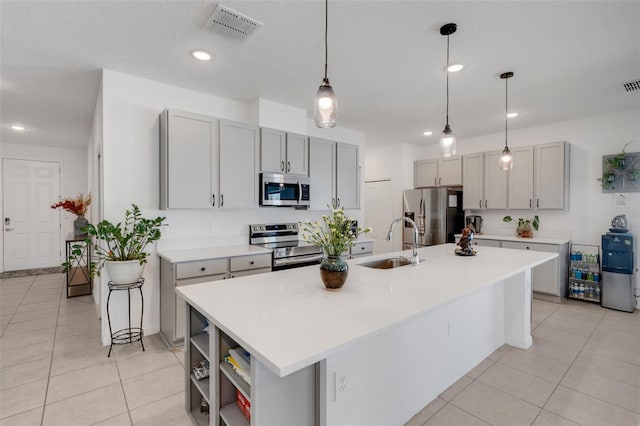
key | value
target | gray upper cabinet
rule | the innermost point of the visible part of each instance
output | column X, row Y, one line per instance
column 551, row 162
column 272, row 150
column 207, row 163
column 282, row 152
column 347, row 171
column 239, row 151
column 334, row 174
column 297, row 154
column 188, row 159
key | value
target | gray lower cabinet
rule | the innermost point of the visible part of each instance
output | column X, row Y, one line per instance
column 173, row 275
column 549, row 281
column 361, row 249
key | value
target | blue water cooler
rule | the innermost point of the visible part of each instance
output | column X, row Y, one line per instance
column 618, row 277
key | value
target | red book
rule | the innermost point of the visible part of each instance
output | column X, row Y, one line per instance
column 244, row 405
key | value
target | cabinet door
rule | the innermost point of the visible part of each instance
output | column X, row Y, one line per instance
column 297, row 160
column 472, row 177
column 347, row 182
column 521, row 179
column 272, row 150
column 322, row 173
column 495, row 182
column 450, row 171
column 180, row 303
column 552, row 176
column 238, row 165
column 187, row 155
column 425, row 173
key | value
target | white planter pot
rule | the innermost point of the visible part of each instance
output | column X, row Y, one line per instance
column 124, row 272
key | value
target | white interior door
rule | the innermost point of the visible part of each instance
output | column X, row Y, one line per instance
column 379, row 213
column 31, row 227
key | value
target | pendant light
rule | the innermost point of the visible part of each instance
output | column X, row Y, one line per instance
column 325, row 105
column 506, row 160
column 448, row 139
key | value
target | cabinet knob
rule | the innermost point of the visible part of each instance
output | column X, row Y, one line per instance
column 203, row 269
column 538, row 202
column 288, row 166
column 251, row 263
column 214, row 200
column 527, row 247
column 282, row 166
column 221, row 200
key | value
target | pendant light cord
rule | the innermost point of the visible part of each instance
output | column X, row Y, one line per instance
column 506, row 110
column 326, row 30
column 447, row 70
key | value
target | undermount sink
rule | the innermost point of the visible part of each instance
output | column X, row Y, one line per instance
column 388, row 263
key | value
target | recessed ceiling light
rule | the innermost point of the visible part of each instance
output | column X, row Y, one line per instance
column 512, row 115
column 17, row 127
column 201, row 55
column 455, row 67
column 427, row 133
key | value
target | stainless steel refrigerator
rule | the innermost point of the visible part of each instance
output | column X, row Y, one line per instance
column 437, row 212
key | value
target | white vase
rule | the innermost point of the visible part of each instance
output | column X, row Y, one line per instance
column 124, row 271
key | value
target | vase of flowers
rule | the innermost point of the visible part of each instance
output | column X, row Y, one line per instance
column 77, row 206
column 334, row 235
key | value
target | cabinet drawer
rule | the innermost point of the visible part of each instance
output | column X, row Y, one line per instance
column 486, row 243
column 365, row 247
column 242, row 263
column 246, row 273
column 549, row 248
column 198, row 268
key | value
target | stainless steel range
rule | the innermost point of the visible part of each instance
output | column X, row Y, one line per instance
column 288, row 251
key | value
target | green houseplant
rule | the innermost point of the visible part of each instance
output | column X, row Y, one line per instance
column 524, row 225
column 334, row 236
column 121, row 246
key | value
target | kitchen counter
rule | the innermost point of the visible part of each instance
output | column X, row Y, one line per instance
column 440, row 318
column 539, row 240
column 187, row 255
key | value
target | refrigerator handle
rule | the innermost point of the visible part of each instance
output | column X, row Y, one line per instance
column 421, row 218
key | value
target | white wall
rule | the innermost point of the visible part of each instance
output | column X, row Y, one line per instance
column 590, row 211
column 73, row 176
column 130, row 149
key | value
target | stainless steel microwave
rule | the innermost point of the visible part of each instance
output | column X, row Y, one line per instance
column 284, row 190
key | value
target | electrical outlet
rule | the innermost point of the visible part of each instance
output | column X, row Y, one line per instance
column 342, row 384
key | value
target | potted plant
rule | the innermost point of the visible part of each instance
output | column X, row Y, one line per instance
column 120, row 247
column 524, row 225
column 334, row 235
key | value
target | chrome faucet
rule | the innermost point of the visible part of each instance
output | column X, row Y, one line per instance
column 414, row 260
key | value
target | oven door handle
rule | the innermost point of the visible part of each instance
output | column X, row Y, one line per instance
column 297, row 259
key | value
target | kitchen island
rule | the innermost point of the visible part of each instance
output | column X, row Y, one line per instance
column 374, row 352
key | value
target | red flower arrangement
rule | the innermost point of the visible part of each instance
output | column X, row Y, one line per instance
column 77, row 206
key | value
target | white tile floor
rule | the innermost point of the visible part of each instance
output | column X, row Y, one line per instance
column 583, row 369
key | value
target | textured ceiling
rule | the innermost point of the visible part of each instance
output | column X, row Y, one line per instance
column 386, row 60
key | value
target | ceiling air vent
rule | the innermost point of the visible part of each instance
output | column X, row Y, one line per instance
column 232, row 24
column 632, row 86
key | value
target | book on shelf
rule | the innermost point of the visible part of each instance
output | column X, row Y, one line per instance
column 245, row 375
column 242, row 357
column 244, row 405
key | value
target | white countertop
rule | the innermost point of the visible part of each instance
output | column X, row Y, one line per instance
column 518, row 239
column 186, row 255
column 288, row 321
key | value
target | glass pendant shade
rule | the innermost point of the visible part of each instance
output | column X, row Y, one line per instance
column 506, row 159
column 325, row 106
column 447, row 142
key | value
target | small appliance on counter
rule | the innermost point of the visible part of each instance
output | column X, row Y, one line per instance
column 619, row 224
column 618, row 269
column 475, row 221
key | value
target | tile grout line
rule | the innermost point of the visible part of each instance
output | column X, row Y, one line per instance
column 53, row 348
column 14, row 312
column 565, row 373
column 124, row 394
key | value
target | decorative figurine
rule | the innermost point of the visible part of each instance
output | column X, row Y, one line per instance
column 465, row 246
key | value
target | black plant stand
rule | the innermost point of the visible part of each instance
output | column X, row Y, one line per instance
column 79, row 280
column 129, row 334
